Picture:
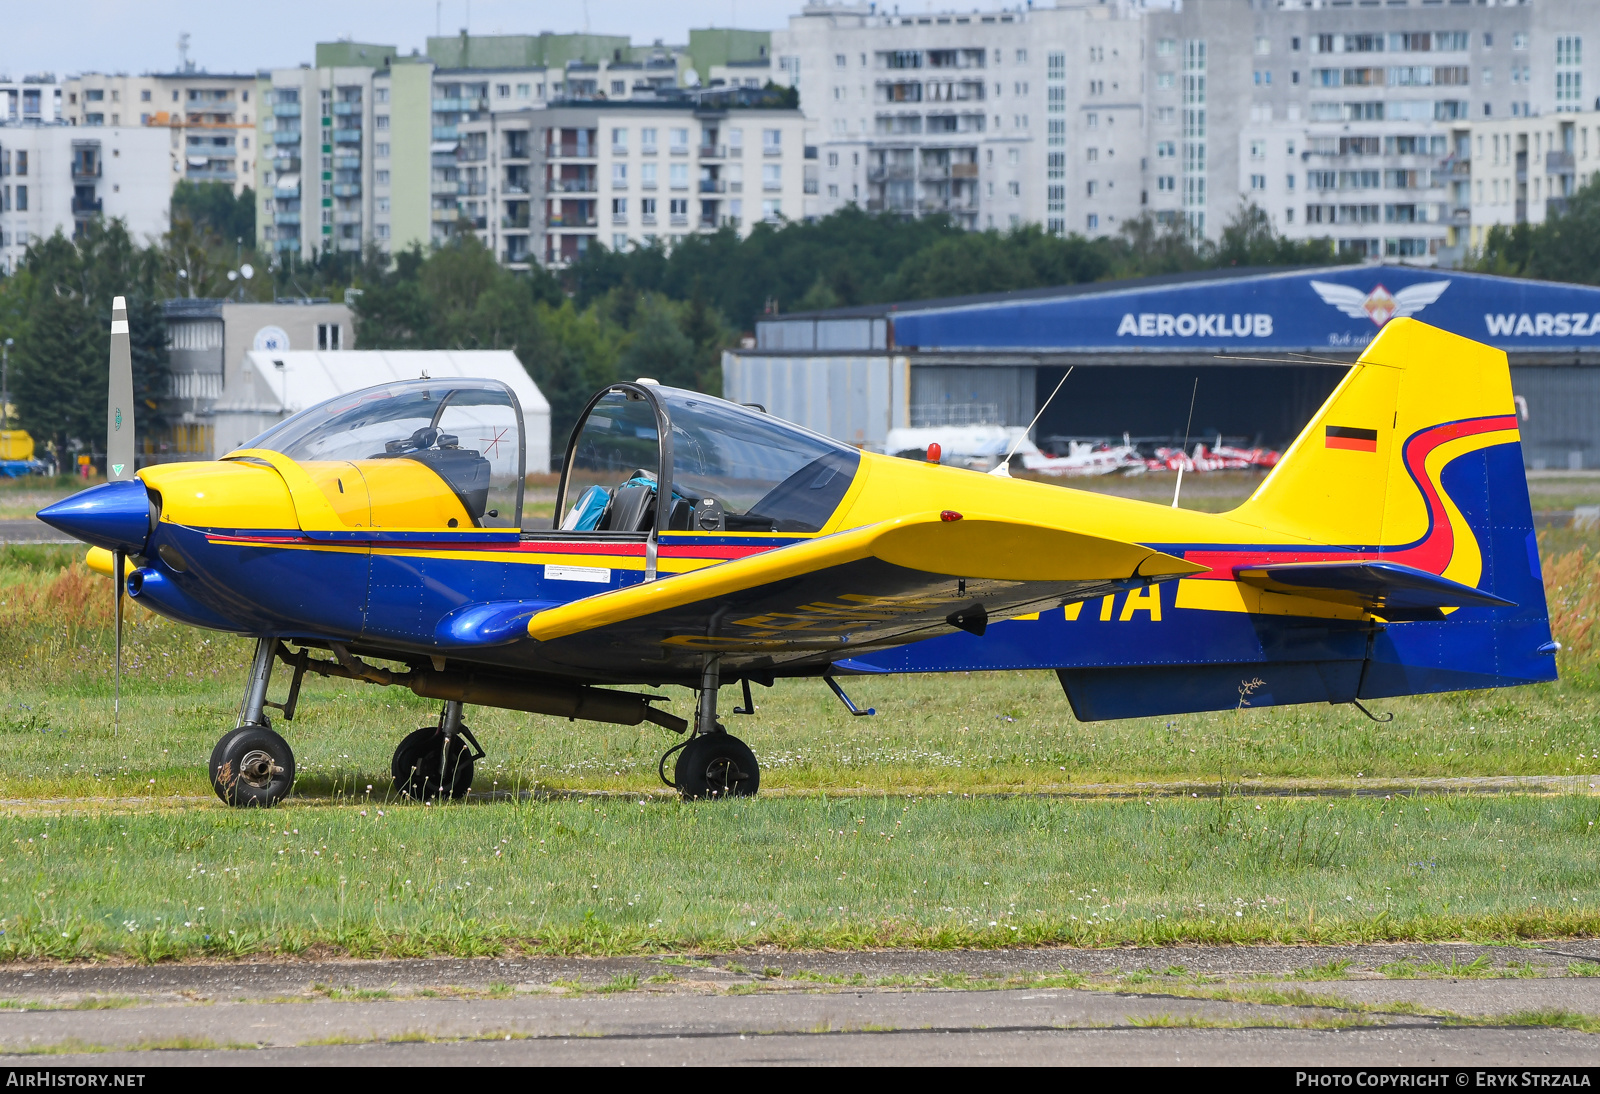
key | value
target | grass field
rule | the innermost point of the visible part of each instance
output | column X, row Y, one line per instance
column 903, row 829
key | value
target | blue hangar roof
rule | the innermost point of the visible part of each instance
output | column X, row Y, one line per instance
column 1338, row 308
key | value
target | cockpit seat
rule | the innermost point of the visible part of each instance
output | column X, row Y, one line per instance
column 464, row 470
column 632, row 508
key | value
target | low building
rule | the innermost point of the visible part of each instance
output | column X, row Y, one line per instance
column 1267, row 347
column 207, row 341
column 274, row 384
column 56, row 177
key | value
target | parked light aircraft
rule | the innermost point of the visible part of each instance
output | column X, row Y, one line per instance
column 702, row 544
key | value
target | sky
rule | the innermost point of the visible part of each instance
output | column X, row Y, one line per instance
column 234, row 36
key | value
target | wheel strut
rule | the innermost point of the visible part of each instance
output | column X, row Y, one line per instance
column 710, row 682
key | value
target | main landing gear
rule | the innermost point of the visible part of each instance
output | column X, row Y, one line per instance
column 254, row 766
column 437, row 759
column 713, row 763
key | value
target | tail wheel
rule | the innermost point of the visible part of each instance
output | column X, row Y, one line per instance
column 252, row 766
column 717, row 765
column 419, row 760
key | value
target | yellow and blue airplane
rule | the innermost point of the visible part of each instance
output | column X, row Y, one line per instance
column 703, row 544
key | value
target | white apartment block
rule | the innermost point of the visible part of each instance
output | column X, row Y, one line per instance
column 993, row 118
column 32, row 100
column 1349, row 121
column 210, row 118
column 1341, row 119
column 57, row 177
column 544, row 186
column 1524, row 169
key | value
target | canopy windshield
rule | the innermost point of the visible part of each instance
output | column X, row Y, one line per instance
column 733, row 469
column 467, row 432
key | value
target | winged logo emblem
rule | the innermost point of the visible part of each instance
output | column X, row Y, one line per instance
column 1380, row 305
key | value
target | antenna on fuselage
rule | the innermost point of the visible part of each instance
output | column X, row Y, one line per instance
column 1004, row 469
column 1184, row 451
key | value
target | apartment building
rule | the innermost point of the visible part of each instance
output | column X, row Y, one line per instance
column 545, row 185
column 57, row 177
column 210, row 118
column 1524, row 169
column 361, row 149
column 1349, row 121
column 32, row 100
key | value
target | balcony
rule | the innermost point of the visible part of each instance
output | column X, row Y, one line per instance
column 343, row 217
column 347, row 108
column 619, row 150
column 713, row 151
column 444, row 132
column 886, row 174
column 479, row 223
column 772, row 150
column 1521, row 215
column 444, row 216
column 712, row 186
column 286, row 218
column 680, row 220
column 347, row 189
column 347, row 136
column 210, row 174
column 647, row 150
column 1556, row 207
column 648, row 220
column 811, row 186
column 459, row 106
column 647, row 184
column 86, row 208
column 576, row 221
column 679, row 150
column 515, row 224
column 286, row 110
column 573, row 186
column 579, row 151
column 771, row 186
column 1559, row 163
column 619, row 220
column 287, row 165
column 83, row 170
column 477, row 188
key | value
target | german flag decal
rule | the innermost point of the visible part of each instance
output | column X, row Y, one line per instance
column 1356, row 440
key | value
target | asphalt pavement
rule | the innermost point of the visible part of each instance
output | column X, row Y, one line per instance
column 1229, row 1006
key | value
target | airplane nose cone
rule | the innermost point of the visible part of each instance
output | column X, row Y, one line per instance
column 113, row 515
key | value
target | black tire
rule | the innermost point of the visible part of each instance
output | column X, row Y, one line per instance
column 252, row 767
column 717, row 765
column 417, row 762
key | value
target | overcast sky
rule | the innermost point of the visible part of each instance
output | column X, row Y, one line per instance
column 233, row 36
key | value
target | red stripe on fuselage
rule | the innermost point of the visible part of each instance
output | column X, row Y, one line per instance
column 1353, row 444
column 1431, row 553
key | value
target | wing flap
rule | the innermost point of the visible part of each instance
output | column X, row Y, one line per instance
column 1376, row 586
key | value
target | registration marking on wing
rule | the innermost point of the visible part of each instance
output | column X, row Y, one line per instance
column 599, row 575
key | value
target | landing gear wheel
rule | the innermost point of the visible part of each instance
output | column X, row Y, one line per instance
column 252, row 766
column 417, row 762
column 717, row 765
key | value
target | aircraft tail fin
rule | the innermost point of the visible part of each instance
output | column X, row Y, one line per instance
column 1415, row 459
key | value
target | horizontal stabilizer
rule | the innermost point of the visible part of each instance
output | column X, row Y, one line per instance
column 1379, row 587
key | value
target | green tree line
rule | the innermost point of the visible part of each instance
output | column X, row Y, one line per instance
column 1566, row 247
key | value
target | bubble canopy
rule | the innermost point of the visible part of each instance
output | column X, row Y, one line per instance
column 431, row 452
column 731, row 468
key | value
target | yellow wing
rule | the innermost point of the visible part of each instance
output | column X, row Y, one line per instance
column 867, row 588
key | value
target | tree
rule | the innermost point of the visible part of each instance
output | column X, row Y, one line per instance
column 1566, row 247
column 212, row 207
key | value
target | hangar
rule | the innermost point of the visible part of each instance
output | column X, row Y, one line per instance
column 1266, row 346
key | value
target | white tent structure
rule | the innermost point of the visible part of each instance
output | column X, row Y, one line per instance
column 273, row 385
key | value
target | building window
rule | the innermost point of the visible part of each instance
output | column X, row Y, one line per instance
column 1093, row 221
column 22, row 199
column 619, row 142
column 522, row 91
column 833, row 159
column 381, row 149
column 1263, row 46
column 381, row 121
column 380, row 178
column 1014, row 188
column 840, row 60
column 329, row 336
column 381, row 231
column 1258, row 150
column 619, row 176
column 1094, row 155
column 833, row 190
column 1093, row 187
column 502, row 90
column 771, row 176
column 678, row 176
column 619, row 87
column 1258, row 182
column 1164, row 81
column 379, row 94
column 771, row 210
column 1166, row 47
column 771, row 142
column 619, row 210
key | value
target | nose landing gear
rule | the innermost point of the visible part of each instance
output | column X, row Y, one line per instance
column 713, row 763
column 252, row 765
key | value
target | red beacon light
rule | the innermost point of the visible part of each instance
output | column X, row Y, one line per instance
column 949, row 515
column 935, row 452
